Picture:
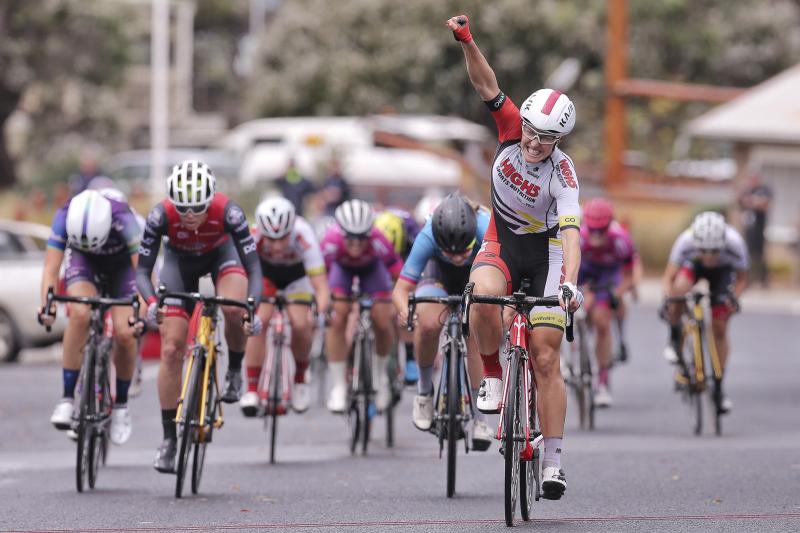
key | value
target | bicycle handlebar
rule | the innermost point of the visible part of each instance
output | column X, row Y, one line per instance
column 413, row 300
column 248, row 305
column 92, row 301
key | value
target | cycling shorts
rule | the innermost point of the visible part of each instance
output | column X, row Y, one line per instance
column 446, row 278
column 373, row 279
column 720, row 285
column 601, row 282
column 299, row 289
column 182, row 273
column 113, row 274
column 536, row 256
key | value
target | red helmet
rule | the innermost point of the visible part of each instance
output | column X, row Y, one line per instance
column 598, row 214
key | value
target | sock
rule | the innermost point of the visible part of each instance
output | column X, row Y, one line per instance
column 552, row 452
column 338, row 373
column 168, row 423
column 70, row 379
column 409, row 351
column 235, row 361
column 491, row 365
column 122, row 392
column 380, row 371
column 425, row 383
column 675, row 335
column 602, row 376
column 479, row 417
column 253, row 373
column 300, row 371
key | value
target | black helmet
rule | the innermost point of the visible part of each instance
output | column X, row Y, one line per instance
column 454, row 224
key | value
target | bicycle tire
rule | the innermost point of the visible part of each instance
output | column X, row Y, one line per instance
column 693, row 343
column 366, row 386
column 717, row 407
column 510, row 445
column 98, row 444
column 527, row 482
column 85, row 410
column 586, row 394
column 354, row 422
column 453, row 422
column 188, row 423
column 390, row 426
column 274, row 397
column 198, row 461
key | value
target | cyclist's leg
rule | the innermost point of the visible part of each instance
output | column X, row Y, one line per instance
column 377, row 282
column 122, row 284
column 426, row 345
column 681, row 285
column 230, row 282
column 302, row 325
column 341, row 282
column 255, row 352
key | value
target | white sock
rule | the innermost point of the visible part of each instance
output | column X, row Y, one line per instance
column 338, row 373
column 552, row 452
column 381, row 370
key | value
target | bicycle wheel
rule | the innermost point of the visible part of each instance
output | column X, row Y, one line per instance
column 586, row 392
column 275, row 396
column 188, row 424
column 529, row 472
column 511, row 447
column 717, row 405
column 696, row 380
column 212, row 406
column 98, row 445
column 453, row 420
column 366, row 392
column 354, row 422
column 85, row 413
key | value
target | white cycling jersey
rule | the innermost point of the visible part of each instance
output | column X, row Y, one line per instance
column 303, row 249
column 733, row 255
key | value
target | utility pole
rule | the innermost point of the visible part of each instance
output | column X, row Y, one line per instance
column 159, row 94
column 616, row 71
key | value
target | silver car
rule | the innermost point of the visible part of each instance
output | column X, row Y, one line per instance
column 22, row 246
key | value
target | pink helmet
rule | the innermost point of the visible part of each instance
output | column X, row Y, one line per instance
column 598, row 213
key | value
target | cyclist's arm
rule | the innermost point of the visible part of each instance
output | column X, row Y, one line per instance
column 322, row 291
column 54, row 255
column 569, row 218
column 154, row 229
column 571, row 243
column 677, row 256
column 740, row 284
column 480, row 73
column 236, row 225
column 669, row 277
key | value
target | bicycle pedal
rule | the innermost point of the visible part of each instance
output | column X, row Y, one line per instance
column 218, row 423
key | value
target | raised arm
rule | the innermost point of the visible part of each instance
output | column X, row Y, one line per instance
column 480, row 73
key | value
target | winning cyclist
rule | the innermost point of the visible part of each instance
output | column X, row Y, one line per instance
column 439, row 265
column 99, row 239
column 533, row 233
column 355, row 248
column 291, row 261
column 208, row 234
column 607, row 260
column 399, row 226
column 714, row 251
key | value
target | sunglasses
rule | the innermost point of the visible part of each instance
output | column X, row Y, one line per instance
column 466, row 250
column 356, row 238
column 193, row 209
column 598, row 231
column 542, row 138
column 710, row 252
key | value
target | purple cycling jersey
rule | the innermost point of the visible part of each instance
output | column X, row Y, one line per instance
column 615, row 252
column 379, row 249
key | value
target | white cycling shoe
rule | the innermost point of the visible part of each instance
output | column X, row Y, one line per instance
column 422, row 412
column 489, row 395
column 337, row 398
column 121, row 426
column 482, row 436
column 554, row 483
column 670, row 355
column 249, row 404
column 301, row 397
column 62, row 414
column 602, row 398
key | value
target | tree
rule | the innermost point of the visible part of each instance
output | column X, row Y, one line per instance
column 65, row 57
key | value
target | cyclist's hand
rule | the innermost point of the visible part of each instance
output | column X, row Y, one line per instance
column 570, row 289
column 254, row 328
column 154, row 315
column 732, row 303
column 460, row 26
column 45, row 319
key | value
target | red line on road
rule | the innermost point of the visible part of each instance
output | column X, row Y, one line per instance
column 409, row 523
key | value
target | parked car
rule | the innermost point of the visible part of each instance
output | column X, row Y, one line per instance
column 22, row 246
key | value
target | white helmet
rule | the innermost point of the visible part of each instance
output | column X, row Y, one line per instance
column 114, row 194
column 275, row 217
column 355, row 217
column 549, row 111
column 191, row 184
column 708, row 231
column 88, row 221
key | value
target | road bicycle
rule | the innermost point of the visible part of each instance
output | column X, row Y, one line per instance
column 453, row 407
column 361, row 392
column 92, row 418
column 579, row 376
column 199, row 408
column 698, row 362
column 518, row 431
column 275, row 381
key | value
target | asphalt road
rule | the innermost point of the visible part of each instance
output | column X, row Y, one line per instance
column 641, row 470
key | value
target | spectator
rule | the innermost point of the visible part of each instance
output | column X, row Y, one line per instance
column 87, row 172
column 294, row 186
column 335, row 189
column 754, row 203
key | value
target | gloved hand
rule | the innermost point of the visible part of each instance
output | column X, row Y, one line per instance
column 255, row 328
column 567, row 290
column 460, row 27
column 153, row 317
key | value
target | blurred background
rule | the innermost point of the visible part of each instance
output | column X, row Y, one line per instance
column 682, row 105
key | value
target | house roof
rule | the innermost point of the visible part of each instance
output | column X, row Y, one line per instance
column 769, row 113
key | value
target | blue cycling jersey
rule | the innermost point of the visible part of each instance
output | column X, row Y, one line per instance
column 425, row 248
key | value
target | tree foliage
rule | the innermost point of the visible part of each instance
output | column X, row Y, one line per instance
column 65, row 57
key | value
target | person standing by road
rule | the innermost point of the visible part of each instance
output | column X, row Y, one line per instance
column 755, row 202
column 294, row 186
